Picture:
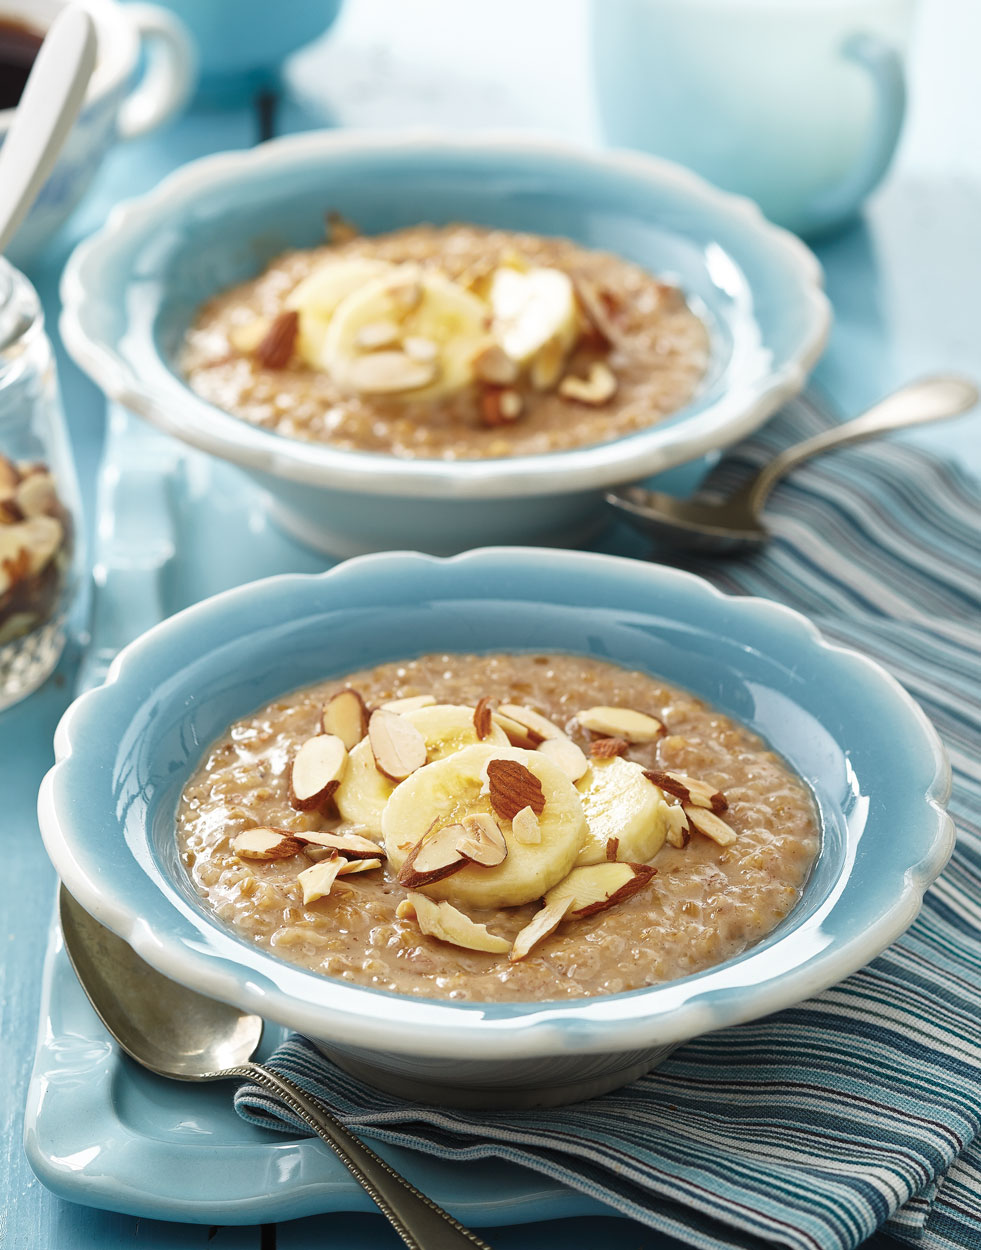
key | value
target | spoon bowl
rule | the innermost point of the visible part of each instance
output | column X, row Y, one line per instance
column 735, row 522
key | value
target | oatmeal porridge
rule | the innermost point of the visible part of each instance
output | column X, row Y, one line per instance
column 448, row 342
column 497, row 827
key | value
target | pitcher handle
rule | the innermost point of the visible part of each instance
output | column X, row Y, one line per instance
column 884, row 64
column 170, row 75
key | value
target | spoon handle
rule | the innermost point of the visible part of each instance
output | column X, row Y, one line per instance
column 929, row 399
column 420, row 1223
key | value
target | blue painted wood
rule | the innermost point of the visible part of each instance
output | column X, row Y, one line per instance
column 904, row 285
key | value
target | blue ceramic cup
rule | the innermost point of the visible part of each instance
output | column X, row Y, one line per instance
column 241, row 44
column 797, row 104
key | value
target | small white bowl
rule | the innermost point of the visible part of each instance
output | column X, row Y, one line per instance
column 131, row 291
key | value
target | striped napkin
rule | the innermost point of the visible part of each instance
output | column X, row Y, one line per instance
column 859, row 1109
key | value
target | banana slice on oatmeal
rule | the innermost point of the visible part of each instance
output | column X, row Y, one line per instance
column 445, row 728
column 409, row 333
column 625, row 811
column 488, row 826
column 318, row 296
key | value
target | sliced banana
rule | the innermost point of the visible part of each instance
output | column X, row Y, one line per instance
column 620, row 802
column 317, row 297
column 429, row 308
column 364, row 791
column 453, row 788
column 532, row 310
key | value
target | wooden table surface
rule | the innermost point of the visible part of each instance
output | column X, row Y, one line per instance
column 905, row 285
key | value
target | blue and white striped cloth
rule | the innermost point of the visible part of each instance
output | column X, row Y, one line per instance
column 859, row 1109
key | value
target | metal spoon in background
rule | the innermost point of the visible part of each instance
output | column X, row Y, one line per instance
column 733, row 522
column 46, row 113
column 178, row 1033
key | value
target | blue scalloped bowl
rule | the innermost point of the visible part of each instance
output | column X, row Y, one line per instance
column 126, row 750
column 131, row 290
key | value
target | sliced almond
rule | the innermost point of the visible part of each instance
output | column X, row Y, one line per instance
column 266, row 843
column 10, row 511
column 398, row 747
column 612, row 849
column 36, row 495
column 445, row 922
column 538, row 727
column 276, row 348
column 607, row 748
column 42, row 537
column 569, row 757
column 419, row 348
column 377, row 334
column 512, row 786
column 318, row 881
column 316, row 771
column 595, row 888
column 351, row 845
column 678, row 832
column 493, row 364
column 499, row 406
column 9, row 473
column 340, row 230
column 388, row 373
column 246, row 337
column 542, row 925
column 517, row 734
column 621, row 722
column 712, row 826
column 405, row 291
column 525, row 826
column 689, row 790
column 346, row 717
column 595, row 390
column 600, row 308
column 433, row 857
column 351, row 866
column 483, row 842
column 546, row 366
column 482, row 718
column 412, row 704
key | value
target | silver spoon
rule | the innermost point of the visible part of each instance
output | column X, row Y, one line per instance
column 178, row 1033
column 734, row 521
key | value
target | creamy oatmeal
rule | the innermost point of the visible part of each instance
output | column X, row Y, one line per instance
column 663, row 837
column 451, row 342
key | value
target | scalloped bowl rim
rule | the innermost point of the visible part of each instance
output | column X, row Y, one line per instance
column 375, row 1019
column 207, row 427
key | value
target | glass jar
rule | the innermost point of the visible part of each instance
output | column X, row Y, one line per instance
column 40, row 532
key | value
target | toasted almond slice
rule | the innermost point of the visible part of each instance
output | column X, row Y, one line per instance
column 318, row 881
column 621, row 722
column 9, row 473
column 517, row 734
column 398, row 747
column 607, row 748
column 499, row 405
column 266, row 843
column 595, row 304
column 482, row 718
column 678, row 831
column 316, row 771
column 595, row 390
column 689, row 790
column 433, row 857
column 377, row 334
column 612, row 849
column 10, row 511
column 276, row 348
column 36, row 495
column 42, row 537
column 247, row 335
column 350, row 866
column 525, row 826
column 599, row 886
column 546, row 367
column 539, row 728
column 388, row 373
column 483, row 842
column 419, row 348
column 542, row 925
column 714, row 827
column 445, row 922
column 339, row 229
column 412, row 704
column 493, row 364
column 512, row 787
column 351, row 845
column 569, row 757
column 346, row 717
